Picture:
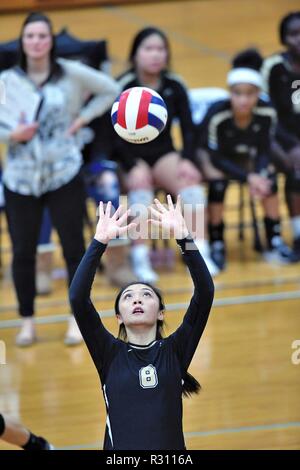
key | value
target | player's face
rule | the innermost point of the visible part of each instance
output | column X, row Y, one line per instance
column 37, row 40
column 292, row 38
column 152, row 55
column 243, row 98
column 139, row 305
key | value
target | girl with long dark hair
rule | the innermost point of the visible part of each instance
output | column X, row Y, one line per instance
column 143, row 374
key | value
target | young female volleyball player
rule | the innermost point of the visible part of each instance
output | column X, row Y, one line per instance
column 234, row 142
column 281, row 74
column 143, row 375
column 158, row 164
column 13, row 432
column 43, row 160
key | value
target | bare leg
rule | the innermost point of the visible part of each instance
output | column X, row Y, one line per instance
column 14, row 432
column 139, row 182
column 166, row 176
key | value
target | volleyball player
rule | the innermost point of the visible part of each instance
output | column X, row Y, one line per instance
column 158, row 165
column 234, row 143
column 281, row 74
column 143, row 375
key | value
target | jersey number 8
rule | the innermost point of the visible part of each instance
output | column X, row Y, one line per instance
column 148, row 377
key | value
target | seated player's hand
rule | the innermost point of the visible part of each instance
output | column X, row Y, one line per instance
column 260, row 187
column 170, row 219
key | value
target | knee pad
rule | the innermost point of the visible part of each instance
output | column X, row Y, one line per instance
column 193, row 195
column 141, row 196
column 217, row 190
column 2, row 425
column 139, row 200
column 292, row 184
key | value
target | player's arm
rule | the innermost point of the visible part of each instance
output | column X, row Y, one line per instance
column 187, row 336
column 97, row 338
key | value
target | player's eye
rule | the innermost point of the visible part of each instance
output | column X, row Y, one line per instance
column 147, row 294
column 127, row 296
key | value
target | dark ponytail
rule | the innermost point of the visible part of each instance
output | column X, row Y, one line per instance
column 190, row 384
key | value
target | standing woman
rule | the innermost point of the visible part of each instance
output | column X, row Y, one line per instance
column 157, row 164
column 43, row 162
column 281, row 74
column 143, row 375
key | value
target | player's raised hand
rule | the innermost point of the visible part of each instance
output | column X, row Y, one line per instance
column 169, row 219
column 111, row 226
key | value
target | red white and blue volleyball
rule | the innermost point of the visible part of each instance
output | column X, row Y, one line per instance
column 139, row 115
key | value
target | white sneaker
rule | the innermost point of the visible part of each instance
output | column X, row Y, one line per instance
column 279, row 253
column 140, row 255
column 27, row 334
column 73, row 335
column 203, row 247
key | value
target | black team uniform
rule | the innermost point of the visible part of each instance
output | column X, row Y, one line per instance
column 142, row 385
column 238, row 152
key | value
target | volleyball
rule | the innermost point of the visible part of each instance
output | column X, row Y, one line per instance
column 139, row 115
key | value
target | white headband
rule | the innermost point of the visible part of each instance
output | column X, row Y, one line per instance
column 244, row 75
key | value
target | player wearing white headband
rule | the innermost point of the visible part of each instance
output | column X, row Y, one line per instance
column 234, row 143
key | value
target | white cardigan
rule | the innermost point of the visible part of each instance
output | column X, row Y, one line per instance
column 52, row 158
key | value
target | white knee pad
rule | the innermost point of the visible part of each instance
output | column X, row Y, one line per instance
column 295, row 222
column 193, row 195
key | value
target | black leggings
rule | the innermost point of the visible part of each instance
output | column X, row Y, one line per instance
column 24, row 215
column 2, row 425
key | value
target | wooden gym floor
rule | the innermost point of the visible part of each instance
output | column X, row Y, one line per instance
column 251, row 387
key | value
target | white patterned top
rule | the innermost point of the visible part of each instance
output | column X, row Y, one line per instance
column 52, row 158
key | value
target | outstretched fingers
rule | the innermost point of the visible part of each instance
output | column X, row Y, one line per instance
column 160, row 207
column 170, row 202
column 178, row 206
column 155, row 213
column 117, row 213
column 101, row 210
column 126, row 228
column 107, row 210
column 123, row 217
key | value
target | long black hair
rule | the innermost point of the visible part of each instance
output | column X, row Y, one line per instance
column 190, row 384
column 249, row 58
column 56, row 70
column 144, row 34
column 284, row 25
